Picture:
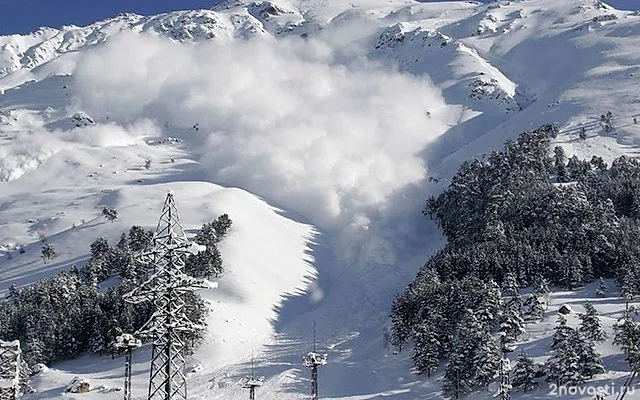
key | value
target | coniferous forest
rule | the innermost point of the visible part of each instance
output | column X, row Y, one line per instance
column 523, row 216
column 82, row 309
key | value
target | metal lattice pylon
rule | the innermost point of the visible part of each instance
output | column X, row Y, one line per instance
column 9, row 370
column 165, row 288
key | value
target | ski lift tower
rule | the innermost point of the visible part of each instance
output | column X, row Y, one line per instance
column 9, row 370
column 165, row 289
column 252, row 383
column 127, row 343
column 314, row 360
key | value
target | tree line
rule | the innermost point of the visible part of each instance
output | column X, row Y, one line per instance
column 82, row 309
column 522, row 216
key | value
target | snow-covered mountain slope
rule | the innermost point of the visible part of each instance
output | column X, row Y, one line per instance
column 336, row 112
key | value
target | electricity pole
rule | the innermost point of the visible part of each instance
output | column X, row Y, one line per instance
column 127, row 343
column 252, row 383
column 313, row 361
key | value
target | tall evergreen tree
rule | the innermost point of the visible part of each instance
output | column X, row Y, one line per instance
column 589, row 361
column 562, row 332
column 510, row 287
column 627, row 335
column 560, row 164
column 524, row 373
column 34, row 350
column 591, row 326
column 461, row 371
column 602, row 290
column 139, row 238
column 456, row 381
column 504, row 383
column 541, row 291
column 491, row 307
column 572, row 272
column 563, row 366
column 535, row 308
column 512, row 323
column 487, row 359
column 401, row 316
column 426, row 349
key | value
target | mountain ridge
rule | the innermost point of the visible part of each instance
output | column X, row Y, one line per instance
column 343, row 115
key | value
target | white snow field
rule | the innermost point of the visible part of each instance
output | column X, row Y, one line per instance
column 316, row 125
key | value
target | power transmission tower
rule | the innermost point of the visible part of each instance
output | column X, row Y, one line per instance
column 127, row 343
column 313, row 360
column 9, row 370
column 165, row 289
column 252, row 383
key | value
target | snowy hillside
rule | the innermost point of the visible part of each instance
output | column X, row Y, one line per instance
column 316, row 125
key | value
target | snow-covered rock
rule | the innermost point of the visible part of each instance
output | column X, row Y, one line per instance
column 80, row 119
column 39, row 368
column 79, row 385
column 565, row 309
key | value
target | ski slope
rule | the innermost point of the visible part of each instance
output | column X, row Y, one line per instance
column 316, row 125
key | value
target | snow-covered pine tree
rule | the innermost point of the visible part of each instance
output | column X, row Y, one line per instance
column 123, row 243
column 456, row 381
column 486, row 361
column 491, row 308
column 542, row 291
column 205, row 264
column 534, row 308
column 510, row 287
column 139, row 238
column 460, row 373
column 561, row 332
column 102, row 262
column 523, row 374
column 589, row 361
column 504, row 379
column 208, row 263
column 221, row 225
column 33, row 349
column 563, row 366
column 602, row 290
column 426, row 349
column 590, row 325
column 627, row 335
column 98, row 343
column 122, row 259
column 560, row 164
column 512, row 323
column 47, row 252
column 628, row 287
column 401, row 316
column 110, row 214
column 572, row 272
column 607, row 122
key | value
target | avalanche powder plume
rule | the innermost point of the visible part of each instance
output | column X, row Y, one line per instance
column 332, row 140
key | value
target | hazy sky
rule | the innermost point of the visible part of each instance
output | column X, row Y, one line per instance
column 22, row 16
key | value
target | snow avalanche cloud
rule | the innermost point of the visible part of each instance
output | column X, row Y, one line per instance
column 331, row 137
